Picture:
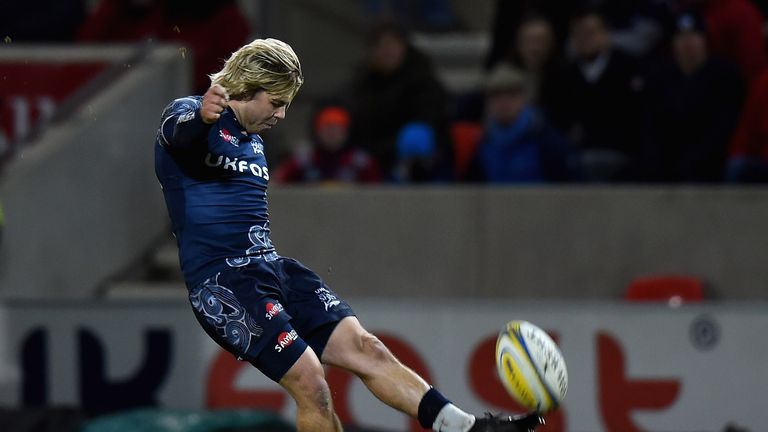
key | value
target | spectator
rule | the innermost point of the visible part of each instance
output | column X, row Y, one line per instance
column 395, row 86
column 418, row 159
column 598, row 101
column 636, row 24
column 509, row 15
column 532, row 48
column 536, row 54
column 519, row 144
column 331, row 158
column 748, row 153
column 735, row 31
column 695, row 105
column 211, row 29
column 534, row 45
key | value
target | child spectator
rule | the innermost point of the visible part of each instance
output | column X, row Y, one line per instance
column 694, row 105
column 418, row 158
column 519, row 144
column 331, row 158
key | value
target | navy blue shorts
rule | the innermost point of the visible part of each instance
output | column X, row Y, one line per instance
column 268, row 312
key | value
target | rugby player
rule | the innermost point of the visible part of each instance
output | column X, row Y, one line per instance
column 264, row 308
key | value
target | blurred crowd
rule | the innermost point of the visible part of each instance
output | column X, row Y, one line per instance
column 577, row 91
column 581, row 91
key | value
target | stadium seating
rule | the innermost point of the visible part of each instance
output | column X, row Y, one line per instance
column 465, row 137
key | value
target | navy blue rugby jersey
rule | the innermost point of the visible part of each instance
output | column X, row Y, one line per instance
column 214, row 179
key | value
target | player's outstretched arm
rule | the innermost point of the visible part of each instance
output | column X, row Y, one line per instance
column 186, row 121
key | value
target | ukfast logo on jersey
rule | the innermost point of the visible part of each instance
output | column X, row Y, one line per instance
column 285, row 339
column 273, row 310
column 236, row 165
column 228, row 137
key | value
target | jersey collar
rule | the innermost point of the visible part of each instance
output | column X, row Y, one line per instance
column 230, row 120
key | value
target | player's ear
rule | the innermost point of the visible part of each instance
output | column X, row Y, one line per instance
column 256, row 93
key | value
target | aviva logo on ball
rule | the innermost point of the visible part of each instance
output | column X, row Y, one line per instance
column 531, row 366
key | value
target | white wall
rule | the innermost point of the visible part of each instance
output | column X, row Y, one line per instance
column 576, row 242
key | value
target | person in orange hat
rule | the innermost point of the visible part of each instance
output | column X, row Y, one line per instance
column 331, row 157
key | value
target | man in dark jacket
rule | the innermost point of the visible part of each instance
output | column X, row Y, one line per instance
column 694, row 104
column 598, row 100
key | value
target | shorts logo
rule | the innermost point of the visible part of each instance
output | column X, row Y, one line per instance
column 273, row 310
column 328, row 298
column 228, row 137
column 285, row 339
column 221, row 310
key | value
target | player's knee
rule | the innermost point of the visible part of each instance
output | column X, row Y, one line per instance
column 316, row 396
column 310, row 390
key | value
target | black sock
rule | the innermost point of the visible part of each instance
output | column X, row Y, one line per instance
column 430, row 406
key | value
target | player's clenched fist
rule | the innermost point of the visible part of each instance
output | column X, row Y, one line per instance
column 214, row 102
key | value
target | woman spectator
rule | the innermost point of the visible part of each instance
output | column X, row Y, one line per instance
column 535, row 52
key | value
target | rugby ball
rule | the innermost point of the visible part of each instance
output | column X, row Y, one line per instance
column 531, row 366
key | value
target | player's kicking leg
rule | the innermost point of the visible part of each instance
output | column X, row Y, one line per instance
column 352, row 348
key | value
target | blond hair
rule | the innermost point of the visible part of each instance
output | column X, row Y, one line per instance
column 264, row 64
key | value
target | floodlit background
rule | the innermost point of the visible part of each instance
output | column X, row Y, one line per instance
column 594, row 167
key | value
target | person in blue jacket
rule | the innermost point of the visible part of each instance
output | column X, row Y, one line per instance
column 519, row 145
